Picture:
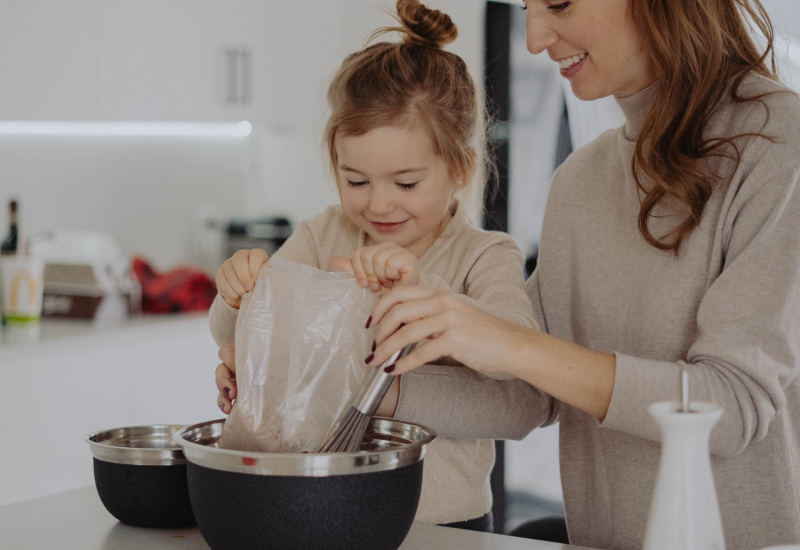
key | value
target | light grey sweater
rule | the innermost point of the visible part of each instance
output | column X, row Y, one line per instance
column 466, row 409
column 728, row 307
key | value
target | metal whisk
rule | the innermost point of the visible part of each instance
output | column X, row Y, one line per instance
column 347, row 437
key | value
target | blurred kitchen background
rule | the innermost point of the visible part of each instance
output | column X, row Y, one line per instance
column 185, row 129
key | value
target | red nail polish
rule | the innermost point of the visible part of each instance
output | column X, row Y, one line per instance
column 369, row 358
column 373, row 345
column 369, row 322
column 389, row 369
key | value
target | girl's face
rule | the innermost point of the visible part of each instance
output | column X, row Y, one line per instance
column 394, row 187
column 595, row 43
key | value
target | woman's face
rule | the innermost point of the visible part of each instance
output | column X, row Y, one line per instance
column 394, row 187
column 595, row 43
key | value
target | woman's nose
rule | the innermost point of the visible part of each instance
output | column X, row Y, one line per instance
column 540, row 35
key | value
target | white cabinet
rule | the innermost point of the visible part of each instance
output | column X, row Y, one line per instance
column 260, row 60
column 46, row 49
column 169, row 59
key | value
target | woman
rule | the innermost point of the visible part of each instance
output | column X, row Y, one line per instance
column 672, row 242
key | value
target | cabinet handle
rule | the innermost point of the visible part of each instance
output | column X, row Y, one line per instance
column 238, row 69
column 245, row 73
column 232, row 55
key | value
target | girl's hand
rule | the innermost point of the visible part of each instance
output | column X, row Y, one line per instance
column 451, row 326
column 237, row 275
column 226, row 378
column 384, row 265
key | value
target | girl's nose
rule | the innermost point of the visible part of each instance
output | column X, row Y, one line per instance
column 380, row 199
column 540, row 35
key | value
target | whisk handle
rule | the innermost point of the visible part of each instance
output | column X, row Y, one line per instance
column 376, row 384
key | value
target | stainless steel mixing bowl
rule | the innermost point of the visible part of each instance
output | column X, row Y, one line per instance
column 339, row 501
column 140, row 475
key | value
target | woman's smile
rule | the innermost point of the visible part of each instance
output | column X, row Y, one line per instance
column 569, row 66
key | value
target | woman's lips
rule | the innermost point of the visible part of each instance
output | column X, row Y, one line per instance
column 573, row 66
column 384, row 227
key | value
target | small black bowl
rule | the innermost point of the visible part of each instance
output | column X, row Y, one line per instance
column 365, row 500
column 140, row 475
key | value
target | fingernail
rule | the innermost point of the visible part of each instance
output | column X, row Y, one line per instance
column 373, row 345
column 226, row 391
column 369, row 358
column 369, row 321
column 389, row 369
column 221, row 406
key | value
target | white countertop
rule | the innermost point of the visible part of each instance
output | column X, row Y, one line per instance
column 80, row 378
column 77, row 520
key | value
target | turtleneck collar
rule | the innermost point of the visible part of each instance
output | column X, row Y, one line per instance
column 635, row 108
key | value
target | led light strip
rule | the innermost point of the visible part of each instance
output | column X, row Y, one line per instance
column 123, row 128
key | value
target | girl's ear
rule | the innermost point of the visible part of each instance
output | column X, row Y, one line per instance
column 468, row 170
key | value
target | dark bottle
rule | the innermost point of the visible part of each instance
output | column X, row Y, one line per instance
column 9, row 246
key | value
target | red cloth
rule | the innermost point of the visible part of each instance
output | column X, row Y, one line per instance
column 179, row 290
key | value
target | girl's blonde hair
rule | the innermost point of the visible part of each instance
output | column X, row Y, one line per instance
column 413, row 83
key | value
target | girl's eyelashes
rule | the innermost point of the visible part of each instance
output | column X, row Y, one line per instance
column 404, row 186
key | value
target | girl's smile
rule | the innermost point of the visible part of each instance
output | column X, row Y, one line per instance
column 387, row 227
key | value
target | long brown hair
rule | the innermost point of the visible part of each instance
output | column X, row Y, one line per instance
column 701, row 50
column 412, row 83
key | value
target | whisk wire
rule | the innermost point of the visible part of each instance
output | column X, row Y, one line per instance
column 348, row 435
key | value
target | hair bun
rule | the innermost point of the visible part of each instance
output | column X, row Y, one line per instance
column 426, row 26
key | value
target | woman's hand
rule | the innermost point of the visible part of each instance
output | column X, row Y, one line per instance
column 380, row 266
column 226, row 378
column 451, row 326
column 574, row 374
column 237, row 275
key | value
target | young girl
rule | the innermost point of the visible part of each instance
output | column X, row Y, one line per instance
column 404, row 120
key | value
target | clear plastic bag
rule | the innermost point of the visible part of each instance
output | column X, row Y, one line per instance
column 300, row 347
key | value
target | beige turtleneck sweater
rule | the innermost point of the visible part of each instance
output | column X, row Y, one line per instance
column 727, row 308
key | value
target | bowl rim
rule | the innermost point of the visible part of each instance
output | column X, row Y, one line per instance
column 137, row 456
column 307, row 464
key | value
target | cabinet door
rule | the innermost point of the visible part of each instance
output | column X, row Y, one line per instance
column 165, row 60
column 218, row 60
column 46, row 59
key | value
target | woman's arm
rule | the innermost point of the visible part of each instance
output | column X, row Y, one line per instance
column 571, row 373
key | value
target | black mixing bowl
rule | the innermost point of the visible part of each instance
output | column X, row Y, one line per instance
column 140, row 475
column 336, row 501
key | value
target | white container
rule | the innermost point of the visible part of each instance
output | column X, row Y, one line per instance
column 22, row 281
column 684, row 512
